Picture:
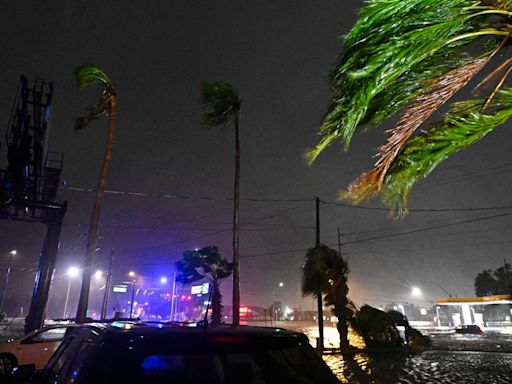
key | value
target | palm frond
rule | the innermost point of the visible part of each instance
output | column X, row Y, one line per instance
column 464, row 125
column 220, row 103
column 369, row 183
column 90, row 74
column 389, row 56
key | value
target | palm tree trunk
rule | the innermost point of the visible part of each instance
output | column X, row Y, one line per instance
column 216, row 304
column 83, row 301
column 236, row 228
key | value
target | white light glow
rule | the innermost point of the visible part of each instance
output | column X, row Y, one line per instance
column 416, row 292
column 73, row 272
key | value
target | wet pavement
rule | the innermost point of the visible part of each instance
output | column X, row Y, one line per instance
column 430, row 367
column 454, row 358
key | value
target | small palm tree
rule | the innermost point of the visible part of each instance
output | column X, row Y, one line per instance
column 87, row 75
column 221, row 105
column 206, row 263
column 325, row 272
column 414, row 56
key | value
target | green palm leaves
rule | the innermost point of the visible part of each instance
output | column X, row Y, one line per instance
column 401, row 52
column 220, row 104
column 204, row 263
column 88, row 75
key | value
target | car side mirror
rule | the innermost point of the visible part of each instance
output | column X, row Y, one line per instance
column 23, row 372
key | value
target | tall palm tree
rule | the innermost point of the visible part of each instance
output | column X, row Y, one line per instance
column 87, row 75
column 413, row 56
column 325, row 272
column 206, row 263
column 221, row 105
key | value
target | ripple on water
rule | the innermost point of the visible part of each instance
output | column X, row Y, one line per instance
column 426, row 368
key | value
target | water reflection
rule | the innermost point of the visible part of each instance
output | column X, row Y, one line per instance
column 427, row 367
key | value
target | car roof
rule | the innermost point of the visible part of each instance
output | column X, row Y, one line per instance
column 118, row 332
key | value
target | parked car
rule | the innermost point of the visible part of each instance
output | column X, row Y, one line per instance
column 33, row 348
column 470, row 329
column 156, row 353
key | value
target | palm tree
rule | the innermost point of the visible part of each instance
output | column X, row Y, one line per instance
column 87, row 75
column 206, row 263
column 221, row 105
column 325, row 272
column 413, row 56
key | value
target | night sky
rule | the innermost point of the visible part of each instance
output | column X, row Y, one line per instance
column 278, row 55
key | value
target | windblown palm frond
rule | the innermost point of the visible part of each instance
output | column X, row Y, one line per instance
column 87, row 75
column 417, row 52
column 463, row 126
column 415, row 114
column 220, row 104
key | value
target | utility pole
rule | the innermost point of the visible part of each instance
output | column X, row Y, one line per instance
column 339, row 241
column 108, row 286
column 320, row 305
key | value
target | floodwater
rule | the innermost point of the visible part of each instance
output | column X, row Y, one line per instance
column 454, row 358
column 429, row 367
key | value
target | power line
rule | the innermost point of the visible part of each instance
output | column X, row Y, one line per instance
column 496, row 208
column 213, row 233
column 427, row 229
column 187, row 197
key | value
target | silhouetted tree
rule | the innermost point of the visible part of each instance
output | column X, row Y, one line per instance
column 325, row 272
column 221, row 105
column 85, row 76
column 206, row 264
column 497, row 282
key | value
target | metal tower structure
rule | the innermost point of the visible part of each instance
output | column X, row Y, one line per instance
column 29, row 184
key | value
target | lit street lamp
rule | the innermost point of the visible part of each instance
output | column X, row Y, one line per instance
column 72, row 273
column 6, row 281
column 416, row 292
column 274, row 310
column 98, row 275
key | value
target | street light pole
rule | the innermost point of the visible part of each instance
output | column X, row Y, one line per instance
column 65, row 313
column 133, row 298
column 72, row 272
column 6, row 281
column 108, row 286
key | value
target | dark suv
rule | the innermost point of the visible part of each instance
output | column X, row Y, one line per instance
column 140, row 353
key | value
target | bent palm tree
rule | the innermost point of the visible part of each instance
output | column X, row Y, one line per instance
column 206, row 263
column 87, row 75
column 325, row 272
column 416, row 54
column 221, row 105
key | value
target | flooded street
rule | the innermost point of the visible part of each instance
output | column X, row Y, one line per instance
column 427, row 367
column 468, row 359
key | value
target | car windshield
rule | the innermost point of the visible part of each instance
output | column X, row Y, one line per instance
column 297, row 364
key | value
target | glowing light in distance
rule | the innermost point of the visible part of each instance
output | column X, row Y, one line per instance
column 163, row 280
column 423, row 311
column 98, row 274
column 281, row 284
column 131, row 274
column 416, row 292
column 13, row 252
column 73, row 272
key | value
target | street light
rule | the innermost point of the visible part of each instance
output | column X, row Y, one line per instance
column 163, row 280
column 98, row 275
column 416, row 292
column 274, row 310
column 132, row 275
column 72, row 273
column 6, row 281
